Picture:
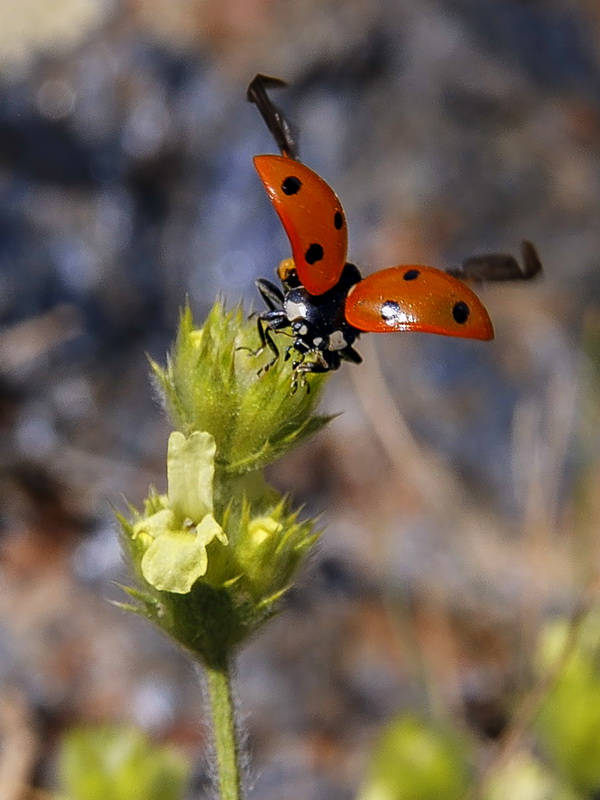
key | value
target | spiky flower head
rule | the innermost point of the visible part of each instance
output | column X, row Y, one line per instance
column 214, row 554
column 214, row 382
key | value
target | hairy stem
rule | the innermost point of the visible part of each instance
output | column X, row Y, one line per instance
column 225, row 741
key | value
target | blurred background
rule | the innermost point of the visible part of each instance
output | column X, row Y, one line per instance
column 458, row 484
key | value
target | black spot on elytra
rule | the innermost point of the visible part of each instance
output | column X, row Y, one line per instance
column 411, row 274
column 338, row 220
column 314, row 253
column 460, row 312
column 291, row 185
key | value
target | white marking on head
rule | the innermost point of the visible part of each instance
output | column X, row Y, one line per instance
column 294, row 310
column 336, row 341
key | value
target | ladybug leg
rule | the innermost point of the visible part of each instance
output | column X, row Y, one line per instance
column 300, row 347
column 265, row 323
column 500, row 266
column 350, row 354
column 307, row 366
column 288, row 352
column 296, row 367
column 326, row 361
column 295, row 382
column 300, row 367
column 302, row 351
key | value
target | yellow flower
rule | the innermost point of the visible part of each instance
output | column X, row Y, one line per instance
column 177, row 535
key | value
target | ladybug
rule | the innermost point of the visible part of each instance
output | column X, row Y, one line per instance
column 323, row 300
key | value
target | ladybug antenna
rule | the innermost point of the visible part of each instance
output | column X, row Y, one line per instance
column 272, row 115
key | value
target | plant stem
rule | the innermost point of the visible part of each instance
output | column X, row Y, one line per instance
column 224, row 732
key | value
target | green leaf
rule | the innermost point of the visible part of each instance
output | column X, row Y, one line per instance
column 119, row 764
column 417, row 761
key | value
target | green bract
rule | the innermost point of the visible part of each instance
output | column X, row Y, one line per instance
column 214, row 555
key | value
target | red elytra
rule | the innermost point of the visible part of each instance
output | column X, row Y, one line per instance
column 315, row 223
column 312, row 216
column 417, row 298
